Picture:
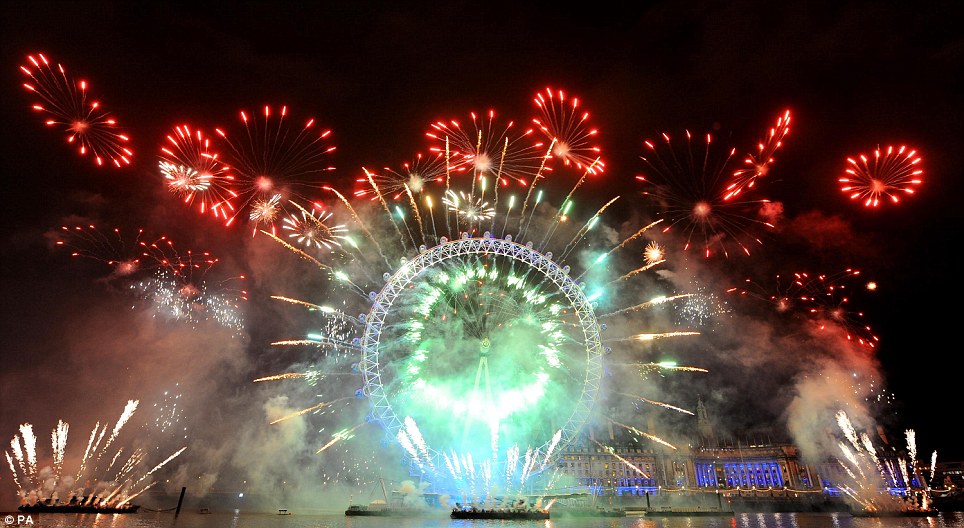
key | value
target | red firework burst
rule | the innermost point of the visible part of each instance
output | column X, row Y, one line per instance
column 67, row 105
column 489, row 151
column 566, row 125
column 689, row 188
column 889, row 174
column 274, row 164
column 826, row 300
column 193, row 172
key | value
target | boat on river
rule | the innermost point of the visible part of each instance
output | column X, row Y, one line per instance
column 497, row 513
column 689, row 512
column 41, row 507
column 562, row 512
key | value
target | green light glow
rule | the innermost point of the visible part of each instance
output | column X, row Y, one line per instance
column 482, row 353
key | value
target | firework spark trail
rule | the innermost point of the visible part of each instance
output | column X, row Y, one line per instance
column 344, row 434
column 651, row 337
column 314, row 342
column 561, row 213
column 661, row 404
column 124, row 417
column 903, row 471
column 416, row 435
column 88, row 451
column 30, row 450
column 13, row 470
column 612, row 452
column 406, row 442
column 487, row 474
column 306, row 410
column 911, row 438
column 851, row 457
column 286, row 375
column 161, row 464
column 297, row 301
column 358, row 220
column 58, row 442
column 450, row 466
column 502, row 154
column 622, row 245
column 124, row 475
column 130, row 465
column 415, row 211
column 653, row 255
column 843, row 421
column 469, row 464
column 585, row 229
column 539, row 175
column 66, row 103
column 639, row 270
column 872, row 453
column 647, row 367
column 384, row 204
column 526, row 465
column 15, row 445
column 552, row 445
column 654, row 438
column 414, row 177
column 648, row 304
column 758, row 164
column 299, row 252
column 114, row 459
column 512, row 461
column 152, row 484
column 933, row 468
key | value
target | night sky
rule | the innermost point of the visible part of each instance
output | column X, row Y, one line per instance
column 855, row 75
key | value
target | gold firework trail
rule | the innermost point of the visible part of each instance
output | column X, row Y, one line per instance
column 647, row 435
column 612, row 452
column 344, row 434
column 649, row 304
column 307, row 410
column 661, row 404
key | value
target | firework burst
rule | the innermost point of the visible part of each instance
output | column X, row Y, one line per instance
column 566, row 125
column 888, row 175
column 128, row 255
column 824, row 299
column 66, row 104
column 312, row 229
column 487, row 150
column 275, row 163
column 412, row 179
column 193, row 172
column 689, row 186
column 175, row 283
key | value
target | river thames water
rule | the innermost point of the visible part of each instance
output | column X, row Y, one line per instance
column 193, row 519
